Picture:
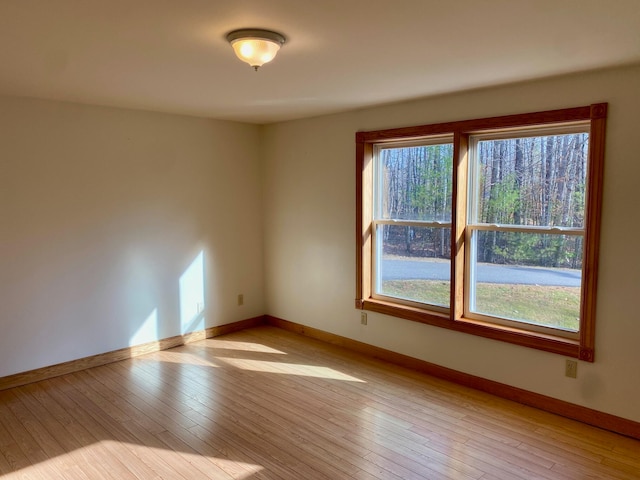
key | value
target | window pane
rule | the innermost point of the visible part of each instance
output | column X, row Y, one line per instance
column 527, row 277
column 413, row 263
column 415, row 183
column 532, row 180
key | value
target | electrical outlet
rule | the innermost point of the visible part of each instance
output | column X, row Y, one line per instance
column 363, row 318
column 240, row 300
column 571, row 369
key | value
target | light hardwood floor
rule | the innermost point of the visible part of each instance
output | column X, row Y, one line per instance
column 266, row 403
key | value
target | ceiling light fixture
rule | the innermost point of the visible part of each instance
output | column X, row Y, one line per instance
column 255, row 46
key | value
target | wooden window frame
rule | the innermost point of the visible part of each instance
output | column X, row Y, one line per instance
column 581, row 347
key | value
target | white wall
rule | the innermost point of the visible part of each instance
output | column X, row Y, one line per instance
column 310, row 239
column 103, row 211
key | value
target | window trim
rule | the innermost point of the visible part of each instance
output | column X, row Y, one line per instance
column 583, row 346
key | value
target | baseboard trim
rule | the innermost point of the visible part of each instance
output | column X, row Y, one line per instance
column 582, row 414
column 71, row 366
column 586, row 415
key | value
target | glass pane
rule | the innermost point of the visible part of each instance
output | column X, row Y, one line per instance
column 532, row 180
column 415, row 183
column 527, row 277
column 413, row 263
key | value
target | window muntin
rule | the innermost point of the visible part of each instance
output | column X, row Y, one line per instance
column 584, row 232
column 412, row 222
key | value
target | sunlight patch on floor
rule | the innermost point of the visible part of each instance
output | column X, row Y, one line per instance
column 185, row 358
column 244, row 346
column 80, row 463
column 289, row 369
column 227, row 468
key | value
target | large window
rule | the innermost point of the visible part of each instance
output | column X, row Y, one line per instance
column 486, row 226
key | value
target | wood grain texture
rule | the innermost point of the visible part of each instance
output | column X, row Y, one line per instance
column 459, row 222
column 548, row 404
column 563, row 346
column 44, row 373
column 483, row 124
column 593, row 221
column 265, row 403
column 364, row 216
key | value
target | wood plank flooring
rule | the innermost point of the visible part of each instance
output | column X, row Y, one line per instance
column 264, row 403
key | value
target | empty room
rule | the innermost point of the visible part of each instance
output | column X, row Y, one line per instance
column 295, row 239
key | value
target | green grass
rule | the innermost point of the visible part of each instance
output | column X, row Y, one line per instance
column 552, row 306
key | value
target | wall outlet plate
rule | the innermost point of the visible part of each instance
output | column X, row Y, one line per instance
column 571, row 369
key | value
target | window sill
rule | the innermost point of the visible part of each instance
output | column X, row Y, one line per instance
column 525, row 338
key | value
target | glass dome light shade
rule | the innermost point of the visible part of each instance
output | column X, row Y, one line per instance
column 255, row 51
column 255, row 47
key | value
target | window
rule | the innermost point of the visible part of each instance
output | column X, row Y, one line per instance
column 412, row 221
column 487, row 226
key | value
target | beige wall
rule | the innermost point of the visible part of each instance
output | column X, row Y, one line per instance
column 310, row 253
column 103, row 211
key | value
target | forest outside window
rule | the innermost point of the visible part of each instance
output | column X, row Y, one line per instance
column 412, row 222
column 486, row 226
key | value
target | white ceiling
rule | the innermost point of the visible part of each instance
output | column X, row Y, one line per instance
column 171, row 55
